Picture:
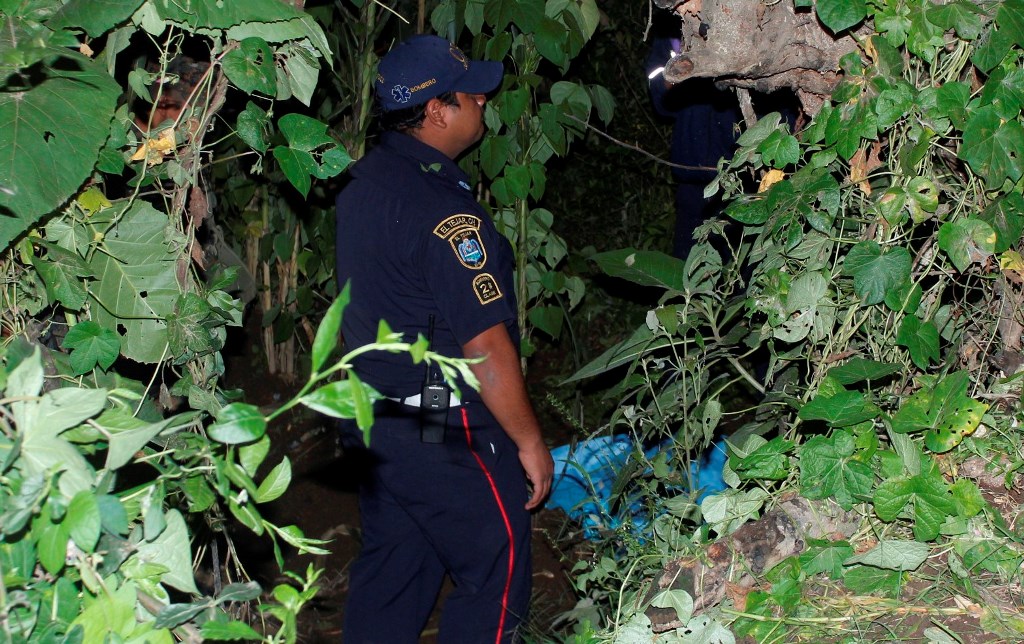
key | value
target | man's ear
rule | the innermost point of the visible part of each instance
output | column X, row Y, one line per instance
column 435, row 113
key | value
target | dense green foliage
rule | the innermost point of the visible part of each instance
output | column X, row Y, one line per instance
column 870, row 305
column 189, row 168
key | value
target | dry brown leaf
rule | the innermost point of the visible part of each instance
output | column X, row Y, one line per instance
column 155, row 149
column 770, row 179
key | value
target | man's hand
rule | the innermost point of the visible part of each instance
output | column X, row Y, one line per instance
column 540, row 470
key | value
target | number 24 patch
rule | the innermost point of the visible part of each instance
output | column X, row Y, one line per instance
column 486, row 288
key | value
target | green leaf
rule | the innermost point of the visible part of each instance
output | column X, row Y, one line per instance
column 95, row 17
column 239, row 592
column 640, row 342
column 893, row 555
column 905, row 298
column 927, row 493
column 177, row 614
column 513, row 106
column 1010, row 19
column 302, row 71
column 137, row 282
column 171, row 549
column 964, row 17
column 82, row 520
column 187, row 333
column 768, row 461
column 728, row 510
column 893, row 104
column 333, row 161
column 839, row 15
column 1006, row 217
column 865, row 580
column 251, row 455
column 238, row 423
column 826, row 557
column 113, row 516
column 494, row 154
column 222, row 15
column 944, row 411
column 252, row 126
column 91, row 345
column 335, row 399
column 517, row 180
column 921, row 339
column 363, row 397
column 229, row 631
column 304, row 133
column 840, row 410
column 676, row 599
column 860, row 369
column 875, row 272
column 62, row 272
column 276, row 482
column 968, row 499
column 967, row 241
column 250, row 67
column 129, row 434
column 68, row 407
column 994, row 47
column 550, row 38
column 643, row 267
column 779, row 149
column 604, row 101
column 248, row 516
column 297, row 165
column 991, row 147
column 50, row 136
column 827, row 469
column 51, row 546
column 326, row 339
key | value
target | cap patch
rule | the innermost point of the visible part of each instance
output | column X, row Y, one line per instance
column 401, row 94
column 463, row 233
column 459, row 56
column 486, row 288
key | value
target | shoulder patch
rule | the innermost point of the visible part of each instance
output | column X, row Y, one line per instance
column 486, row 288
column 463, row 234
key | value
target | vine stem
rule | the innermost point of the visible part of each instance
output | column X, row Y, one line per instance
column 635, row 148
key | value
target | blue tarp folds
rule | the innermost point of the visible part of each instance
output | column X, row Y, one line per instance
column 585, row 475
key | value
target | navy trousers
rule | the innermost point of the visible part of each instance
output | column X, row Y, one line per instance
column 428, row 510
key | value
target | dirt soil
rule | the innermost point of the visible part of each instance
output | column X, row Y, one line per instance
column 322, row 500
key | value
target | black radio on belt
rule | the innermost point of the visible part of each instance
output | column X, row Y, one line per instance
column 433, row 400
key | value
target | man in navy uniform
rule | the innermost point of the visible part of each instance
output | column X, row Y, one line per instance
column 446, row 491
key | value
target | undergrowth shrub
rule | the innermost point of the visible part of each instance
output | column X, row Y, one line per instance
column 870, row 304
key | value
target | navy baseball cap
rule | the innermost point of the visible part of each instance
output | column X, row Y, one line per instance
column 424, row 66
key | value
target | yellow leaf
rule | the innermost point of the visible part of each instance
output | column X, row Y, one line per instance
column 93, row 200
column 154, row 150
column 770, row 179
column 1012, row 265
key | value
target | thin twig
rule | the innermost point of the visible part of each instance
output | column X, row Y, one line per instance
column 638, row 149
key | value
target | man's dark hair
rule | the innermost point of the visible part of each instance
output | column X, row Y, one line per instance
column 410, row 118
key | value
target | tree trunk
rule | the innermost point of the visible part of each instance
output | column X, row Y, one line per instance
column 759, row 46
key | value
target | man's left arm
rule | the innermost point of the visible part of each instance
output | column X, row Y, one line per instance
column 504, row 392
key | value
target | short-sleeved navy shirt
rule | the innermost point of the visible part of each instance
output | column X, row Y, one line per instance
column 413, row 242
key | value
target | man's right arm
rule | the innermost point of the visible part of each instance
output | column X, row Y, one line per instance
column 504, row 392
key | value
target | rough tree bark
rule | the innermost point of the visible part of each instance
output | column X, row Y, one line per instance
column 756, row 45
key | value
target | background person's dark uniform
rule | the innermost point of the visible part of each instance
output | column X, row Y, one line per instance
column 703, row 131
column 414, row 243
